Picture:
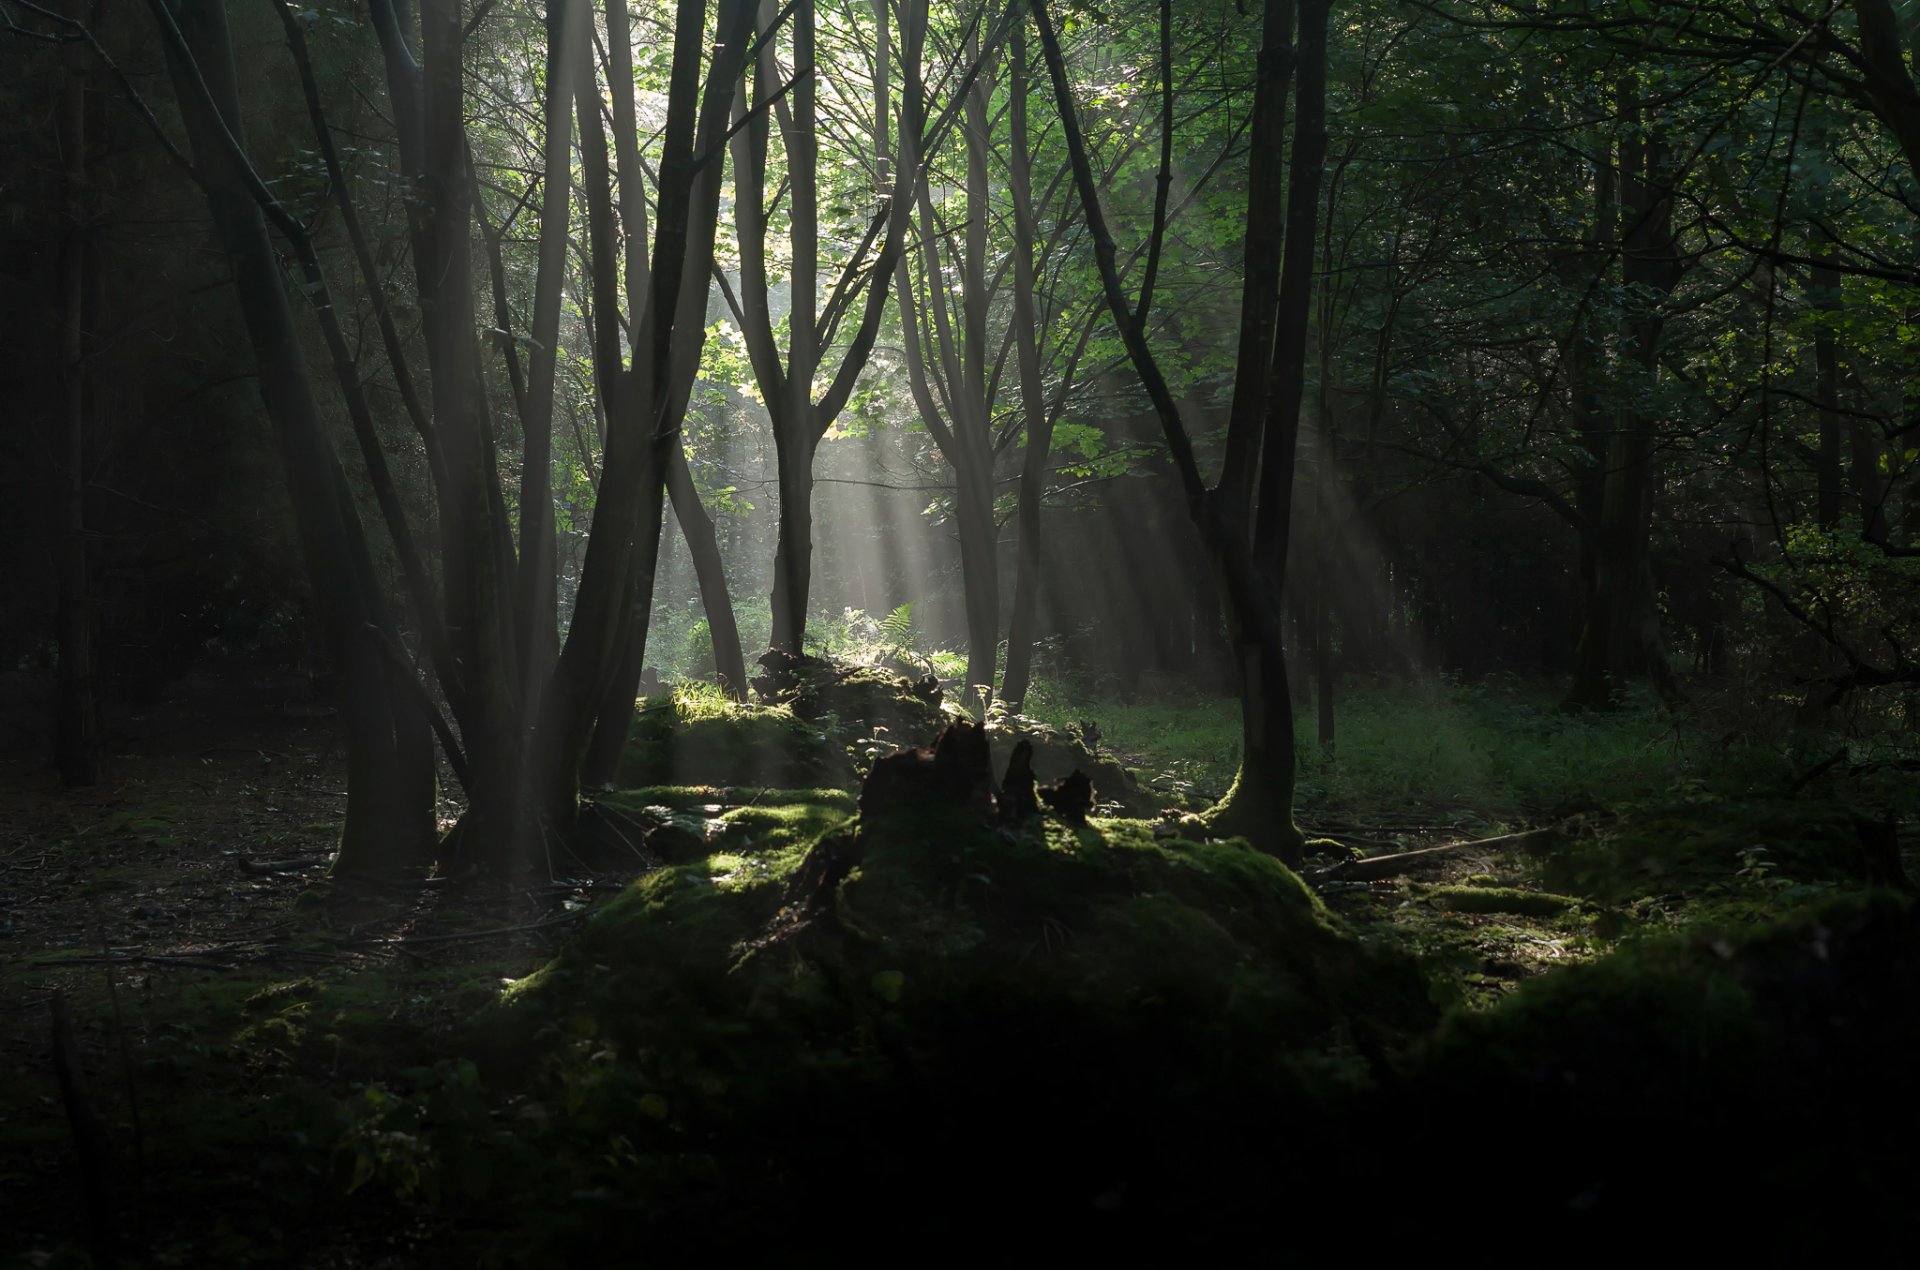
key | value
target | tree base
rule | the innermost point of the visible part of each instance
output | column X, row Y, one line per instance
column 1261, row 815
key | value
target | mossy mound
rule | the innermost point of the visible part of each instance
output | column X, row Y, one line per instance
column 684, row 823
column 860, row 702
column 1086, row 1007
column 703, row 738
column 1693, row 847
column 1756, row 1079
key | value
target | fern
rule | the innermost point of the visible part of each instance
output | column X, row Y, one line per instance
column 897, row 626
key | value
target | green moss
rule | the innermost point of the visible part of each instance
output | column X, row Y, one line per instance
column 1485, row 898
column 698, row 738
column 1110, row 928
column 725, row 1024
column 1678, row 1020
column 721, row 797
column 864, row 701
column 1773, row 843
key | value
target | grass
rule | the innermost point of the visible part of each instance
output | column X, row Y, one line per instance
column 1497, row 749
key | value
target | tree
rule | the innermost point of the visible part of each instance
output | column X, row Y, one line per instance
column 77, row 751
column 520, row 751
column 1244, row 519
column 799, row 418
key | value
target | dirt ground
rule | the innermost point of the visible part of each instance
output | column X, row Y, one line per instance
column 191, row 875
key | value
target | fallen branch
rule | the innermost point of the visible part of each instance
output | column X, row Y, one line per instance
column 1817, row 771
column 270, row 868
column 197, row 961
column 1370, row 868
column 406, row 941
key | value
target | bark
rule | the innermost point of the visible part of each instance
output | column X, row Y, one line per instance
column 709, row 569
column 387, row 807
column 1260, row 803
column 478, row 581
column 1260, row 290
column 567, row 22
column 615, row 716
column 1584, row 380
column 77, row 752
column 800, row 421
column 645, row 401
column 1621, row 633
column 946, row 358
column 1039, row 421
column 1825, row 297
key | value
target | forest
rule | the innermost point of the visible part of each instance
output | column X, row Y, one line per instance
column 731, row 632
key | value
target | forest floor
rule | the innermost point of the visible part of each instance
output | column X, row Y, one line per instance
column 226, row 999
column 162, row 903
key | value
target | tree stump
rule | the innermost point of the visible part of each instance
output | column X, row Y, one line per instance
column 1019, row 793
column 1072, row 798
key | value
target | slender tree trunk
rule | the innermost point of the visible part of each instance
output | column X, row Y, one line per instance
column 1825, row 297
column 799, row 421
column 709, row 569
column 1260, row 803
column 793, row 542
column 582, row 707
column 1039, row 421
column 615, row 716
column 387, row 807
column 77, row 752
column 536, row 592
column 1621, row 634
column 494, row 832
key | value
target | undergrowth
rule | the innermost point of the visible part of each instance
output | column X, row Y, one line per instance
column 1498, row 748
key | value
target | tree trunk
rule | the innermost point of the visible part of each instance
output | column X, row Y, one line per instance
column 709, row 570
column 477, row 582
column 387, row 807
column 1033, row 406
column 980, row 577
column 1825, row 298
column 583, row 706
column 615, row 716
column 77, row 751
column 1621, row 633
column 800, row 422
column 793, row 543
column 536, row 590
column 1260, row 803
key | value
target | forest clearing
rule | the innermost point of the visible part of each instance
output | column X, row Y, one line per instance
column 844, row 632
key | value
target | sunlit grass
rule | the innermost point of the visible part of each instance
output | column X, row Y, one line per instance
column 1498, row 749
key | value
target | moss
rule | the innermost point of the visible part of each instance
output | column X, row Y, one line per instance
column 694, row 738
column 1694, row 847
column 1106, row 987
column 1500, row 899
column 1740, row 1072
column 720, row 797
column 689, row 826
column 863, row 701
